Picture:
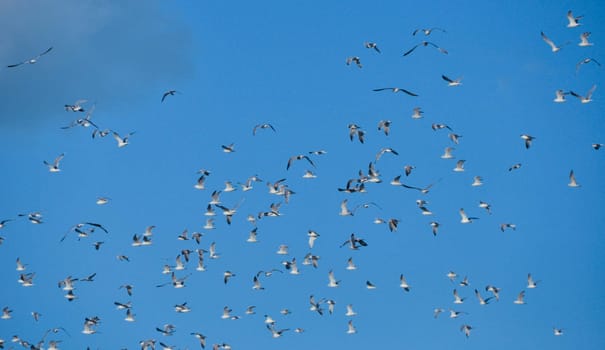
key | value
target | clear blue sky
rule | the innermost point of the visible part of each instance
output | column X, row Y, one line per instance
column 237, row 65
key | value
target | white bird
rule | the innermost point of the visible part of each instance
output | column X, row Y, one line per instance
column 417, row 114
column 528, row 139
column 425, row 44
column 530, row 282
column 553, row 46
column 354, row 59
column 435, row 226
column 519, row 300
column 507, row 225
column 560, row 96
column 459, row 165
column 282, row 250
column 454, row 137
column 451, row 82
column 464, row 218
column 332, row 280
column 312, row 237
column 588, row 97
column 428, row 31
column 31, row 60
column 351, row 265
column 573, row 20
column 370, row 285
column 396, row 89
column 482, row 301
column 309, row 175
column 586, row 61
column 350, row 312
column 344, row 210
column 456, row 314
column 466, row 329
column 385, row 150
column 122, row 141
column 457, row 298
column 437, row 311
column 572, row 180
column 228, row 148
column 403, row 283
column 262, row 126
column 447, row 153
column 54, row 166
column 371, row 45
column 477, row 181
column 351, row 329
column 557, row 331
column 385, row 126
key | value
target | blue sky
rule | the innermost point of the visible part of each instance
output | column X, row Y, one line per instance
column 239, row 65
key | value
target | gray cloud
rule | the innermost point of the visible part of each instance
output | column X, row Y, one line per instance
column 110, row 51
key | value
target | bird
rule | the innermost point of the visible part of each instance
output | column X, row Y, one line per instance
column 262, row 127
column 54, row 166
column 460, row 165
column 530, row 282
column 354, row 59
column 553, row 46
column 456, row 314
column 438, row 126
column 425, row 44
column 560, row 96
column 477, row 181
column 370, row 285
column 276, row 333
column 31, row 60
column 435, row 226
column 482, row 301
column 344, row 210
column 408, row 169
column 557, row 331
column 351, row 329
column 586, row 61
column 437, row 311
column 385, row 125
column 350, row 311
column 428, row 31
column 355, row 130
column 584, row 40
column 574, row 21
column 299, row 157
column 351, row 265
column 454, row 137
column 6, row 313
column 507, row 225
column 494, row 290
column 464, row 282
column 397, row 89
column 588, row 97
column 313, row 235
column 371, row 45
column 77, row 107
column 447, row 153
column 169, row 93
column 122, row 141
column 466, row 329
column 228, row 148
column 353, row 241
column 451, row 82
column 572, row 180
column 519, row 300
column 417, row 113
column 595, row 146
column 528, row 139
column 464, row 218
column 457, row 298
column 332, row 280
column 403, row 283
column 385, row 150
column 102, row 200
column 514, row 167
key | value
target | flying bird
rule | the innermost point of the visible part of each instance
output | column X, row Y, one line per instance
column 553, row 46
column 396, row 89
column 574, row 21
column 530, row 282
column 519, row 300
column 122, row 141
column 588, row 97
column 584, row 40
column 354, row 59
column 586, row 61
column 451, row 82
column 31, row 60
column 262, row 127
column 528, row 139
column 425, row 44
column 169, row 93
column 371, row 45
column 428, row 31
column 464, row 218
column 299, row 157
column 54, row 166
column 560, row 96
column 572, row 180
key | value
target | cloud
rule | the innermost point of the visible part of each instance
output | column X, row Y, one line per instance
column 110, row 51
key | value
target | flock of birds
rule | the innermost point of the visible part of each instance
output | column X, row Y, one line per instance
column 194, row 254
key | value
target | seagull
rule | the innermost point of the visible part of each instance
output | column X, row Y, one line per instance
column 351, row 265
column 332, row 280
column 169, row 93
column 355, row 129
column 312, row 237
column 572, row 180
column 528, row 139
column 457, row 298
column 31, row 60
column 437, row 126
column 354, row 59
column 435, row 226
column 477, row 181
column 102, row 200
column 403, row 283
column 553, row 46
column 530, row 282
column 351, row 329
column 344, row 211
column 573, row 21
column 371, row 45
column 596, row 147
column 396, row 89
column 464, row 282
column 76, row 107
column 385, row 125
column 519, row 300
column 54, row 166
column 507, row 225
column 417, row 113
column 456, row 314
column 586, row 61
column 466, row 329
column 352, row 242
column 299, row 157
column 428, row 31
column 557, row 331
column 370, row 285
column 350, row 312
column 276, row 333
column 451, row 82
column 385, row 150
column 464, row 218
column 495, row 291
column 588, row 97
column 447, row 153
column 514, row 167
column 422, row 190
column 228, row 148
column 425, row 43
column 459, row 165
column 454, row 137
column 408, row 169
column 560, row 96
column 262, row 126
column 584, row 40
column 437, row 312
column 480, row 298
column 122, row 141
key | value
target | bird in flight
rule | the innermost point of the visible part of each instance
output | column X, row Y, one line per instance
column 262, row 126
column 584, row 40
column 560, row 95
column 371, row 45
column 54, row 166
column 425, row 43
column 464, row 218
column 586, row 61
column 588, row 97
column 574, row 21
column 169, row 93
column 354, row 59
column 572, row 180
column 428, row 31
column 122, row 141
column 31, row 60
column 553, row 46
column 396, row 89
column 528, row 139
column 451, row 82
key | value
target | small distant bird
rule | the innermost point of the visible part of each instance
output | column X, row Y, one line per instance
column 354, row 59
column 460, row 165
column 477, row 181
column 586, row 61
column 428, row 31
column 596, row 146
column 262, row 127
column 464, row 218
column 457, row 298
column 507, row 225
column 425, row 44
column 482, row 301
column 351, row 265
column 447, row 153
column 557, row 331
column 464, row 282
column 332, row 280
column 451, row 82
column 530, row 282
column 519, row 300
column 408, row 169
column 588, row 97
column 494, row 290
column 350, row 311
column 528, row 139
column 371, row 45
column 584, row 40
column 299, row 157
column 553, row 46
column 102, row 200
column 385, row 125
column 122, row 141
column 466, row 329
column 396, row 89
column 370, row 285
column 437, row 312
column 514, row 167
column 31, row 60
column 355, row 130
column 560, row 96
column 574, row 21
column 417, row 113
column 169, row 93
column 76, row 107
column 435, row 226
column 351, row 329
column 403, row 283
column 454, row 137
column 228, row 148
column 438, row 126
column 385, row 150
column 54, row 166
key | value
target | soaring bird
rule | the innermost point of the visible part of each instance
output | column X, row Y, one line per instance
column 428, row 31
column 299, row 157
column 560, row 96
column 464, row 218
column 528, row 139
column 169, row 93
column 354, row 59
column 574, row 21
column 31, row 60
column 553, row 46
column 519, row 300
column 588, row 97
column 586, row 61
column 403, row 283
column 584, row 40
column 572, row 180
column 332, row 280
column 262, row 127
column 452, row 82
column 122, row 141
column 371, row 45
column 396, row 89
column 54, row 166
column 530, row 282
column 425, row 44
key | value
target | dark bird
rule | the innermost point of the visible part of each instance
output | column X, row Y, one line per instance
column 426, row 43
column 371, row 45
column 169, row 93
